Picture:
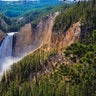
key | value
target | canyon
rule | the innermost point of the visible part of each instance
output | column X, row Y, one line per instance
column 29, row 39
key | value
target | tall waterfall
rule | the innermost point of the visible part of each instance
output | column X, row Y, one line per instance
column 6, row 59
column 6, row 47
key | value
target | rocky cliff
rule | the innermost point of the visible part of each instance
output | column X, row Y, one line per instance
column 44, row 30
column 27, row 40
column 62, row 40
column 47, row 36
column 22, row 40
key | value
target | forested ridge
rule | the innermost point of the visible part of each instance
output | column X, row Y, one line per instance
column 34, row 75
column 13, row 24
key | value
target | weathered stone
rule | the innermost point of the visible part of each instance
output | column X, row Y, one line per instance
column 22, row 40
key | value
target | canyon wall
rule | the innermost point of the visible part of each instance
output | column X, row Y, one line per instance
column 28, row 40
column 22, row 40
column 62, row 40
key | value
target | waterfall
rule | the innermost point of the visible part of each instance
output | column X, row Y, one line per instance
column 6, row 58
column 6, row 47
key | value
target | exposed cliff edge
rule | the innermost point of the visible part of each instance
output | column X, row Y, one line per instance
column 22, row 40
column 62, row 40
column 28, row 40
column 44, row 31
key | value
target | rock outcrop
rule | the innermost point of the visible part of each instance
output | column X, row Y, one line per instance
column 44, row 30
column 2, row 36
column 28, row 40
column 22, row 40
column 62, row 40
column 45, row 36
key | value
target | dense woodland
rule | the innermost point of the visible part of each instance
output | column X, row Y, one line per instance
column 75, row 79
column 15, row 9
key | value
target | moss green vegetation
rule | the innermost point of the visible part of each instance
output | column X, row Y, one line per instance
column 75, row 79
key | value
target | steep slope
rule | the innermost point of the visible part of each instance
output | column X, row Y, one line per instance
column 63, row 40
column 22, row 40
column 46, row 35
column 44, row 30
column 5, row 22
column 29, row 39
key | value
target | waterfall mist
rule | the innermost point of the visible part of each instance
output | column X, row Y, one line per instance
column 6, row 63
column 6, row 59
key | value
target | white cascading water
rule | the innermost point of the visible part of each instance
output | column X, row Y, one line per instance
column 5, row 51
column 6, row 59
column 6, row 47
